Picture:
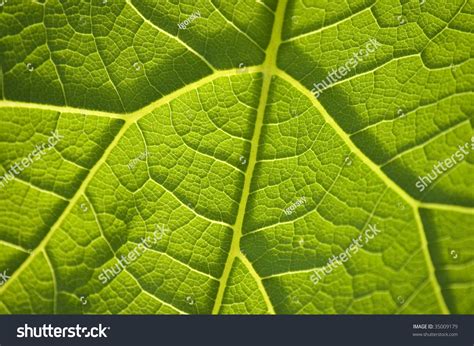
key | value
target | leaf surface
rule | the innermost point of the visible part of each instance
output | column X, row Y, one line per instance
column 213, row 133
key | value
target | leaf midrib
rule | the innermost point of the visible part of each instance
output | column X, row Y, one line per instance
column 269, row 70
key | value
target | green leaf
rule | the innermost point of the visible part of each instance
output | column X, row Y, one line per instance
column 209, row 140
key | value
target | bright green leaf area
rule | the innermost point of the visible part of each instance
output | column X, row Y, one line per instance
column 212, row 132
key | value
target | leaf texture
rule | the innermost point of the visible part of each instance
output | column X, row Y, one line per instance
column 214, row 132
